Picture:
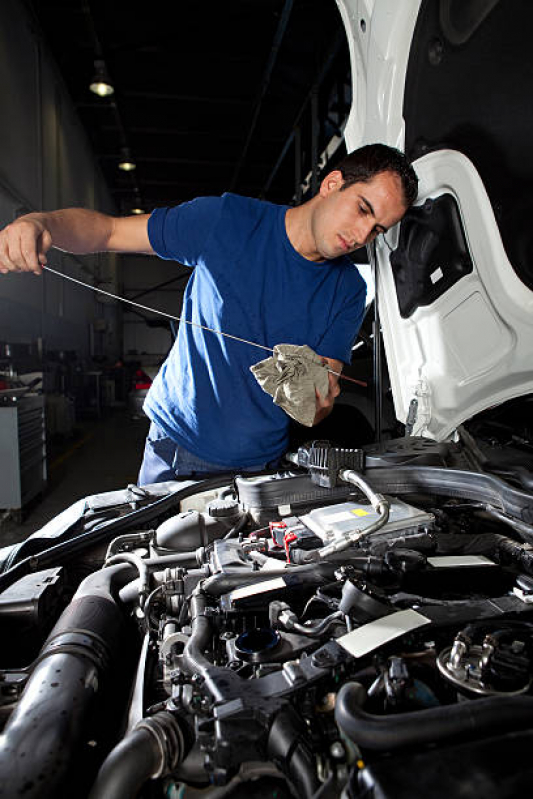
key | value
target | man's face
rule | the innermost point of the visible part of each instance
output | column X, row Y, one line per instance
column 345, row 220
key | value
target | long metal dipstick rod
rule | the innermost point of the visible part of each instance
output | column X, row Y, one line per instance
column 180, row 319
column 154, row 310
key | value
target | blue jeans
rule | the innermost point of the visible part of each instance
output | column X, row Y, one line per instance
column 165, row 460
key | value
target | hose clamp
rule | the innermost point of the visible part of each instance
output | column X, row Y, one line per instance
column 170, row 742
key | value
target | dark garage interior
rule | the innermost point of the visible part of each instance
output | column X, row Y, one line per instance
column 284, row 602
column 207, row 98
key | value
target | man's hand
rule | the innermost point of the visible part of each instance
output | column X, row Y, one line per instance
column 324, row 405
column 24, row 244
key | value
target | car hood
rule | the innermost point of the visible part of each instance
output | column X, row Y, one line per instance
column 456, row 316
column 469, row 348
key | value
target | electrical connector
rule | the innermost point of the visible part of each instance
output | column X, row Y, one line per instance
column 324, row 462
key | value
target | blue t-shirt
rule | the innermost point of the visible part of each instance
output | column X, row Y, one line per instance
column 248, row 281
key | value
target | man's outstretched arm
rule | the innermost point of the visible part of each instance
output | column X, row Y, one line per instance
column 25, row 242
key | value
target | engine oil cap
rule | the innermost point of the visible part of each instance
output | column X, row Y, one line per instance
column 257, row 644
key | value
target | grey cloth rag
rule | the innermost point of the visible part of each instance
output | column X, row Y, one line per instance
column 292, row 376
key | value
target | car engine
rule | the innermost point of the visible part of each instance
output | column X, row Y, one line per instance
column 359, row 624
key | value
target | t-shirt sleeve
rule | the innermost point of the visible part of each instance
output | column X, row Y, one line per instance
column 338, row 340
column 182, row 233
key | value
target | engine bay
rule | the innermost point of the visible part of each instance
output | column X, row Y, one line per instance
column 359, row 624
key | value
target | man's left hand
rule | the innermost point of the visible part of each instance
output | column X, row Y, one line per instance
column 324, row 405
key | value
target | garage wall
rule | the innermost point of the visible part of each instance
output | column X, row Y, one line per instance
column 46, row 163
column 140, row 274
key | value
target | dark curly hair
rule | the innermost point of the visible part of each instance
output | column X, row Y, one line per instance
column 361, row 165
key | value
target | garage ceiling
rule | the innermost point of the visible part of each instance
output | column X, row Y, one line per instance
column 208, row 95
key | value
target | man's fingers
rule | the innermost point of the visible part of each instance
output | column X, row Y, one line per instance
column 23, row 247
column 333, row 391
column 13, row 255
column 4, row 258
column 334, row 388
column 30, row 257
column 17, row 255
column 5, row 263
column 34, row 245
column 44, row 244
column 323, row 401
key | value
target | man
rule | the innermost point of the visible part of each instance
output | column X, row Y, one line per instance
column 265, row 273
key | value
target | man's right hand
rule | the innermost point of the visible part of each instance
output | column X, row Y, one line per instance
column 24, row 244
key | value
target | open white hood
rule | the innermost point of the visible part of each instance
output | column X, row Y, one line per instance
column 472, row 346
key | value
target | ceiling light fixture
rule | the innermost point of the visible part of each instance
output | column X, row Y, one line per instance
column 125, row 163
column 137, row 210
column 101, row 84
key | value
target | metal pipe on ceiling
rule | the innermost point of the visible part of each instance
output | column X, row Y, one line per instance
column 336, row 46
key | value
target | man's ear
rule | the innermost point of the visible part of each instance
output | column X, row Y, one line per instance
column 332, row 182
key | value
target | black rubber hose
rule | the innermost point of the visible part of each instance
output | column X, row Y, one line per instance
column 238, row 526
column 432, row 725
column 525, row 531
column 187, row 559
column 525, row 477
column 40, row 737
column 152, row 749
column 302, row 771
column 485, row 488
column 194, row 660
column 312, row 575
column 519, row 473
column 289, row 748
column 509, row 551
column 222, row 683
column 491, row 625
column 58, row 697
column 493, row 545
column 130, row 764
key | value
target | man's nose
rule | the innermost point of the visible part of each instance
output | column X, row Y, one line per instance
column 361, row 234
column 365, row 231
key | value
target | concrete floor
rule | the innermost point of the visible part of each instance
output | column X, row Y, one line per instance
column 103, row 455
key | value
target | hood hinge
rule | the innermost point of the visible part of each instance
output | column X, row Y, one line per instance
column 419, row 413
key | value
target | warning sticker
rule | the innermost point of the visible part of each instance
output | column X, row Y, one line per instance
column 258, row 588
column 376, row 633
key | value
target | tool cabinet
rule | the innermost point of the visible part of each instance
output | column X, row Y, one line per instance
column 22, row 449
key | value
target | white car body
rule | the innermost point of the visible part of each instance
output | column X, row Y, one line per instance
column 471, row 348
